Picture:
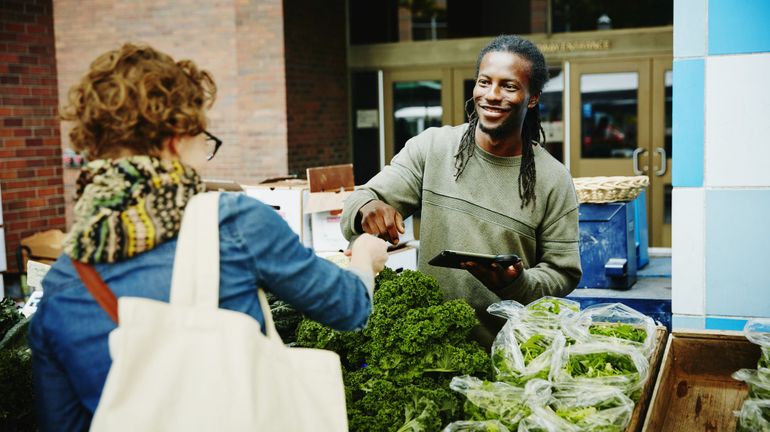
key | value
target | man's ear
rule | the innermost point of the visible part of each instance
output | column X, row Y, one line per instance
column 533, row 100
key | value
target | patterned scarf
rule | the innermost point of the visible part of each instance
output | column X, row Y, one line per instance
column 128, row 206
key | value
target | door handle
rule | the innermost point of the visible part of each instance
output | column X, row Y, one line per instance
column 635, row 160
column 663, row 163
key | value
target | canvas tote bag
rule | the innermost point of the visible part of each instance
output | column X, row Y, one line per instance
column 187, row 365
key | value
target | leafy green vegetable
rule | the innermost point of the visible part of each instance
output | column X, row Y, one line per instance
column 533, row 347
column 397, row 370
column 619, row 330
column 496, row 401
column 552, row 305
column 602, row 364
column 285, row 318
column 9, row 315
column 764, row 359
column 18, row 399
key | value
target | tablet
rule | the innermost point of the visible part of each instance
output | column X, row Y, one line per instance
column 452, row 259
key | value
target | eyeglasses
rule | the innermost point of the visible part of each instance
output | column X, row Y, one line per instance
column 212, row 144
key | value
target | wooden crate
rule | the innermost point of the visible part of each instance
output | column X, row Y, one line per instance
column 640, row 409
column 694, row 390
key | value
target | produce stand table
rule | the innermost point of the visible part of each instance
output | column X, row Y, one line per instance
column 694, row 388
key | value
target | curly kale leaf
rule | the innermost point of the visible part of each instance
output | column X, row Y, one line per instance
column 351, row 346
column 410, row 290
column 9, row 315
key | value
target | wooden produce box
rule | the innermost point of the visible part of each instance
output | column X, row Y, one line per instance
column 694, row 390
column 640, row 409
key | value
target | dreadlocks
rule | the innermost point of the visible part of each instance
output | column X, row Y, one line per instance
column 530, row 131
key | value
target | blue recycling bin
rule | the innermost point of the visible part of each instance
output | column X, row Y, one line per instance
column 608, row 252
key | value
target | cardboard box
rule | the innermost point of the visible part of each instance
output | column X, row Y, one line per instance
column 314, row 216
column 404, row 258
column 694, row 389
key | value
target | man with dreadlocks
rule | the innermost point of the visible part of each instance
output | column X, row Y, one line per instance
column 487, row 186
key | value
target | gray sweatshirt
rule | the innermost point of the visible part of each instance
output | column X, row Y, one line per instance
column 481, row 212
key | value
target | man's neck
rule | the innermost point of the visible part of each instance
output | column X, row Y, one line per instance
column 507, row 146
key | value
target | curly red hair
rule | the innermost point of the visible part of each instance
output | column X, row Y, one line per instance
column 133, row 98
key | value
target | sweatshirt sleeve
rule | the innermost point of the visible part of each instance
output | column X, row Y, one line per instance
column 398, row 184
column 557, row 270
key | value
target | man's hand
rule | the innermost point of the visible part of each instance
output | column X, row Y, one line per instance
column 381, row 220
column 494, row 277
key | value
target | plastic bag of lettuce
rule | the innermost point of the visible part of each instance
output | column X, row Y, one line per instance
column 523, row 349
column 17, row 400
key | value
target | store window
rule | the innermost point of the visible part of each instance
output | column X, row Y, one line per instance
column 383, row 21
column 416, row 107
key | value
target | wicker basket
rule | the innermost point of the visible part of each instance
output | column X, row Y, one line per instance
column 609, row 189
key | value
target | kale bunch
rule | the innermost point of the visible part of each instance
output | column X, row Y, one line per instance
column 285, row 318
column 397, row 370
column 17, row 400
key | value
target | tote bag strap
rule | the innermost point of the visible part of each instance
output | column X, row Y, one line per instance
column 98, row 289
column 195, row 280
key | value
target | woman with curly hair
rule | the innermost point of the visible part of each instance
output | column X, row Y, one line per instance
column 140, row 118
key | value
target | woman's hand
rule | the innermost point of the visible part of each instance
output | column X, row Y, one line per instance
column 369, row 253
column 495, row 277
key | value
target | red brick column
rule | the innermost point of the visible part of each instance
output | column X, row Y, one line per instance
column 30, row 149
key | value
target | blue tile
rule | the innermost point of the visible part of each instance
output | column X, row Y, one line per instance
column 692, row 322
column 688, row 115
column 689, row 28
column 714, row 323
column 737, row 250
column 738, row 27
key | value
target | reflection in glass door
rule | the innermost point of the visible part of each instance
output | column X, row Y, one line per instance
column 416, row 107
column 609, row 115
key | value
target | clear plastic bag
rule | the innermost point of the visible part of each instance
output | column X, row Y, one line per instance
column 593, row 407
column 613, row 323
column 520, row 352
column 549, row 313
column 754, row 416
column 488, row 400
column 476, row 426
column 543, row 419
column 757, row 330
column 758, row 381
column 601, row 363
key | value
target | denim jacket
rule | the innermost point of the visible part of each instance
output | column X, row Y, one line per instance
column 68, row 333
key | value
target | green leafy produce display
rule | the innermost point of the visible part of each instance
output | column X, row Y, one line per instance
column 487, row 400
column 764, row 359
column 619, row 330
column 754, row 416
column 397, row 370
column 17, row 398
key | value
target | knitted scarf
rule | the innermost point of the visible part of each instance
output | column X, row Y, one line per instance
column 128, row 206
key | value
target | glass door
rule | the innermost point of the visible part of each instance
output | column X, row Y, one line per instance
column 610, row 121
column 414, row 101
column 621, row 126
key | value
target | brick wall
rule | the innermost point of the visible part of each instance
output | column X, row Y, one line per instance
column 30, row 149
column 240, row 42
column 316, row 84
